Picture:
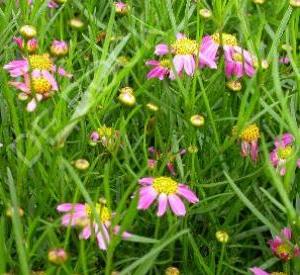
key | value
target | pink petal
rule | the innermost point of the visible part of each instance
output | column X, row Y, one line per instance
column 147, row 198
column 162, row 204
column 85, row 233
column 146, row 181
column 185, row 192
column 66, row 207
column 177, row 205
column 178, row 61
column 161, row 49
column 287, row 233
column 103, row 237
column 189, row 64
column 258, row 271
column 31, row 106
column 153, row 63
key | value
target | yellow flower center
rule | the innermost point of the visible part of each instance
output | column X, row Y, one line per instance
column 184, row 46
column 251, row 133
column 285, row 152
column 165, row 185
column 284, row 248
column 165, row 63
column 227, row 39
column 102, row 211
column 41, row 85
column 105, row 131
column 238, row 57
column 40, row 62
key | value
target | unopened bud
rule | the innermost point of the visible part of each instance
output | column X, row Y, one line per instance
column 172, row 271
column 121, row 8
column 28, row 31
column 127, row 97
column 205, row 13
column 59, row 48
column 81, row 164
column 295, row 3
column 57, row 256
column 234, row 85
column 197, row 120
column 76, row 23
column 32, row 45
column 222, row 236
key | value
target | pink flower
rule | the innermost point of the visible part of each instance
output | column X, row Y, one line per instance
column 160, row 70
column 249, row 141
column 282, row 152
column 81, row 215
column 52, row 4
column 238, row 62
column 258, row 271
column 284, row 60
column 167, row 192
column 282, row 247
column 121, row 7
column 184, row 51
column 59, row 48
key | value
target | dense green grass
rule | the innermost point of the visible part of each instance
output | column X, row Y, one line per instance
column 250, row 201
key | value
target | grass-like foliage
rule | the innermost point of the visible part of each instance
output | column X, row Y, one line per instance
column 96, row 130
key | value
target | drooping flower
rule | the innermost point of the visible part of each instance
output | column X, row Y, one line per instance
column 168, row 192
column 160, row 70
column 249, row 141
column 282, row 152
column 238, row 62
column 82, row 215
column 259, row 271
column 282, row 247
column 107, row 136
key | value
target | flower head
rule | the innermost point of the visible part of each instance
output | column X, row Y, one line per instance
column 282, row 247
column 28, row 31
column 249, row 141
column 83, row 215
column 59, row 48
column 127, row 96
column 282, row 152
column 168, row 192
column 57, row 256
column 160, row 70
column 107, row 136
column 121, row 7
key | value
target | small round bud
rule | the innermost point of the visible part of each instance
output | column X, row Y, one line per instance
column 59, row 48
column 76, row 23
column 127, row 97
column 205, row 13
column 152, row 107
column 28, row 31
column 234, row 85
column 197, row 120
column 121, row 8
column 265, row 64
column 222, row 236
column 151, row 164
column 57, row 256
column 172, row 271
column 193, row 149
column 94, row 138
column 81, row 164
column 32, row 45
column 295, row 3
column 259, row 1
column 10, row 211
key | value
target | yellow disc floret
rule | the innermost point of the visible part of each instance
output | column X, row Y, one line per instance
column 165, row 185
column 285, row 152
column 284, row 248
column 102, row 211
column 41, row 85
column 165, row 63
column 227, row 39
column 105, row 131
column 40, row 62
column 251, row 133
column 184, row 46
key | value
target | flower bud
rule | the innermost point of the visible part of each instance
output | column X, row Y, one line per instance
column 197, row 120
column 151, row 163
column 265, row 64
column 127, row 97
column 32, row 45
column 28, row 31
column 57, row 256
column 222, row 236
column 59, row 48
column 234, row 85
column 259, row 1
column 10, row 211
column 76, row 23
column 19, row 41
column 295, row 3
column 121, row 8
column 193, row 149
column 172, row 271
column 205, row 13
column 81, row 164
column 152, row 107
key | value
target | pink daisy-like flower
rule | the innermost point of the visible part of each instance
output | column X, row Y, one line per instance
column 40, row 62
column 160, row 70
column 238, row 62
column 38, row 85
column 184, row 50
column 282, row 247
column 81, row 215
column 168, row 192
column 282, row 152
